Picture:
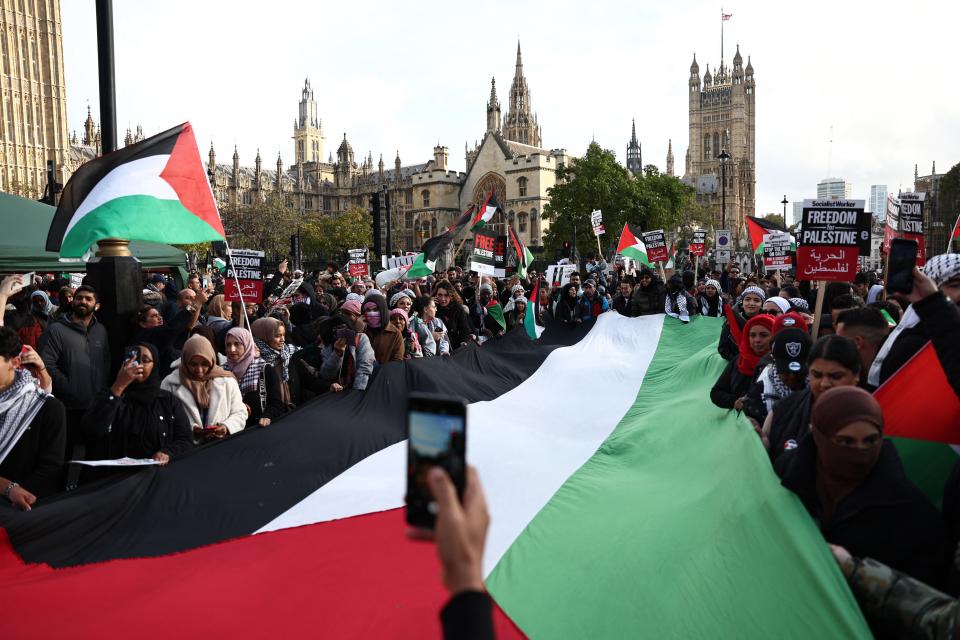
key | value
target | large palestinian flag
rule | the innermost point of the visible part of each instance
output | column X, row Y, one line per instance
column 623, row 504
column 757, row 227
column 485, row 212
column 631, row 245
column 154, row 190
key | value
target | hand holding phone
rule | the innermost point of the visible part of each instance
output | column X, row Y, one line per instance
column 437, row 437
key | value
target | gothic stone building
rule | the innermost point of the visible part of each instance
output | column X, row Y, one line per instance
column 425, row 197
column 33, row 100
column 722, row 118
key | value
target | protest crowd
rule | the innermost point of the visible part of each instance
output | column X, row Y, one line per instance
column 200, row 369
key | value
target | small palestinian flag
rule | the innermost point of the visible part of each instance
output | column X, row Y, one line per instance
column 495, row 311
column 956, row 233
column 155, row 190
column 433, row 247
column 524, row 257
column 421, row 267
column 758, row 226
column 631, row 246
column 672, row 260
column 485, row 213
column 530, row 318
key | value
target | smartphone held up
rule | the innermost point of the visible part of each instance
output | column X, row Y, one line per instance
column 436, row 437
column 900, row 263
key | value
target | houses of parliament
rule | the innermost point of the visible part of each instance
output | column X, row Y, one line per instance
column 426, row 195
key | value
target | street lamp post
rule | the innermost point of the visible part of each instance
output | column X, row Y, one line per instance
column 724, row 156
column 784, row 203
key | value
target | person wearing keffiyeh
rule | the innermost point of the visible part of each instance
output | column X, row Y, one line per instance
column 678, row 303
column 32, row 430
column 711, row 301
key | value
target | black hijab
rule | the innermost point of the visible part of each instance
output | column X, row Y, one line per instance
column 144, row 393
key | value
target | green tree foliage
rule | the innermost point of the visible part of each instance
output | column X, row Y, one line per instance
column 263, row 226
column 777, row 219
column 598, row 181
column 331, row 236
column 948, row 207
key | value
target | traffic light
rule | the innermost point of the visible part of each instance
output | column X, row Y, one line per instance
column 375, row 223
column 566, row 248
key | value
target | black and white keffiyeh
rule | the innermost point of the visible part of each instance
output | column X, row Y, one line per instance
column 943, row 268
column 19, row 405
column 270, row 356
column 675, row 306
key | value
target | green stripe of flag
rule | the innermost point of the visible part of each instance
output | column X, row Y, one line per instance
column 677, row 527
column 137, row 217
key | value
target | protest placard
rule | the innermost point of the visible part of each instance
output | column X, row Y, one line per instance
column 357, row 266
column 489, row 255
column 244, row 267
column 656, row 244
column 831, row 239
column 776, row 252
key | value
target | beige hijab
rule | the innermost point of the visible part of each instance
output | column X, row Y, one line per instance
column 197, row 345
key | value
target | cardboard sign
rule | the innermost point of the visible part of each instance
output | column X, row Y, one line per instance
column 489, row 255
column 596, row 220
column 776, row 252
column 835, row 223
column 911, row 222
column 833, row 235
column 559, row 274
column 357, row 266
column 698, row 245
column 893, row 221
column 656, row 243
column 399, row 261
column 827, row 263
column 246, row 266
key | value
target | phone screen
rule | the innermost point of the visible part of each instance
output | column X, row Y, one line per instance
column 903, row 258
column 437, row 436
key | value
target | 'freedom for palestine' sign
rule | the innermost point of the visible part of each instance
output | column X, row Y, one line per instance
column 833, row 234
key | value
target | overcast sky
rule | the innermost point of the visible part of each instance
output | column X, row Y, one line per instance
column 401, row 76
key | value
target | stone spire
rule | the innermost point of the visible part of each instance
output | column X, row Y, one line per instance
column 670, row 158
column 493, row 108
column 634, row 158
column 212, row 158
column 279, row 182
column 89, row 130
column 520, row 124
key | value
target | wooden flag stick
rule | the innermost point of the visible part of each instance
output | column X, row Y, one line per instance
column 818, row 308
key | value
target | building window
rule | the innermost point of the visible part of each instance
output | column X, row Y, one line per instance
column 522, row 222
column 522, row 186
column 716, row 143
column 426, row 198
column 707, row 155
column 408, row 197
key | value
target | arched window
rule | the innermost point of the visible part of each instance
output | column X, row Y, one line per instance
column 426, row 197
column 511, row 216
column 707, row 154
column 716, row 143
column 522, row 186
column 522, row 222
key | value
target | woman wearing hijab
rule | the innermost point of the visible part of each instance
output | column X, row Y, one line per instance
column 260, row 383
column 384, row 336
column 748, row 305
column 710, row 301
column 219, row 314
column 347, row 357
column 730, row 390
column 411, row 343
column 834, row 362
column 566, row 311
column 210, row 394
column 41, row 312
column 853, row 485
column 775, row 305
column 135, row 418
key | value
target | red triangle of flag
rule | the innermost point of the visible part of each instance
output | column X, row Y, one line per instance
column 184, row 172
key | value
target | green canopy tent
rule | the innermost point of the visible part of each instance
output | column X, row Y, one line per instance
column 25, row 224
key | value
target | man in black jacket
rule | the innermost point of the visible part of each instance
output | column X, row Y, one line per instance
column 76, row 351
